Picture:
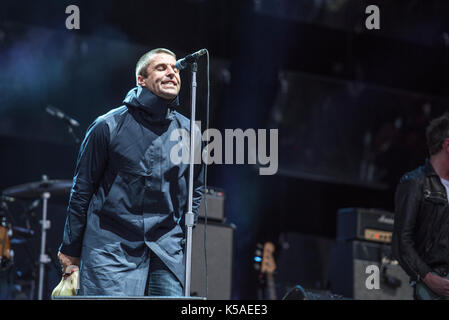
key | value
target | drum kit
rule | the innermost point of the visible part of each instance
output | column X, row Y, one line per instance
column 11, row 233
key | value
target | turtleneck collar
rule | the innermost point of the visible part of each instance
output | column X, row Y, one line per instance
column 157, row 108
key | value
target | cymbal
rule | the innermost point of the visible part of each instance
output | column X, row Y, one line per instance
column 36, row 189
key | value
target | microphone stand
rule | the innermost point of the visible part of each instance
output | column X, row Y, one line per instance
column 72, row 132
column 71, row 123
column 189, row 217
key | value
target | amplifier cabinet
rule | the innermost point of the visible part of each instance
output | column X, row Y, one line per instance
column 352, row 263
column 215, row 199
column 365, row 224
column 220, row 250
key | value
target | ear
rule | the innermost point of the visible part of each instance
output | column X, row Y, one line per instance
column 140, row 81
column 446, row 145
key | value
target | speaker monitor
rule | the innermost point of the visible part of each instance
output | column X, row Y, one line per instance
column 349, row 273
column 219, row 249
column 215, row 199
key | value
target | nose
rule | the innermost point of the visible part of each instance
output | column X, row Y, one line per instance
column 171, row 71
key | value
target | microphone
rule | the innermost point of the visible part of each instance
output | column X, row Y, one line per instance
column 7, row 198
column 61, row 115
column 182, row 63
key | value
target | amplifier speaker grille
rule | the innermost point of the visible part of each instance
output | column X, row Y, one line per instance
column 220, row 248
column 350, row 260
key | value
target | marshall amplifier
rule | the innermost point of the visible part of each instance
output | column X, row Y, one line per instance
column 215, row 198
column 354, row 263
column 365, row 224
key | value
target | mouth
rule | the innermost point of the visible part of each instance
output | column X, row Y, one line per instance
column 170, row 83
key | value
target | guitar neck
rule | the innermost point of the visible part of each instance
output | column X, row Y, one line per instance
column 271, row 287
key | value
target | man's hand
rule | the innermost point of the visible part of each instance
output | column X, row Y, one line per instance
column 67, row 261
column 437, row 284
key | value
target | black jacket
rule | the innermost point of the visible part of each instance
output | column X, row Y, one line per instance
column 420, row 237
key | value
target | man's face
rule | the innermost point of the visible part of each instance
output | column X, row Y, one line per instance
column 163, row 77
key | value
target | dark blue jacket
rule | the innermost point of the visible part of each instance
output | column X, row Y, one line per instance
column 128, row 196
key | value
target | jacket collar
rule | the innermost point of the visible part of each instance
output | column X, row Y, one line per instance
column 433, row 185
column 428, row 168
column 155, row 107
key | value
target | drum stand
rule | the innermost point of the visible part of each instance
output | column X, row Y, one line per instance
column 43, row 257
column 41, row 189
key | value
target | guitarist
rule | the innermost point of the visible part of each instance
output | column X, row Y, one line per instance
column 421, row 224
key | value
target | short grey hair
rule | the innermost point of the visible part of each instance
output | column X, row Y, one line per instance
column 145, row 60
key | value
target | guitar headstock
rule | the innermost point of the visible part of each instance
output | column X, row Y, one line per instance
column 264, row 263
column 264, row 258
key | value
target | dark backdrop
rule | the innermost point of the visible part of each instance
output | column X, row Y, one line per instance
column 350, row 104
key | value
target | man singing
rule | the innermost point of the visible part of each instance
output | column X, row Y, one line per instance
column 421, row 226
column 125, row 220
